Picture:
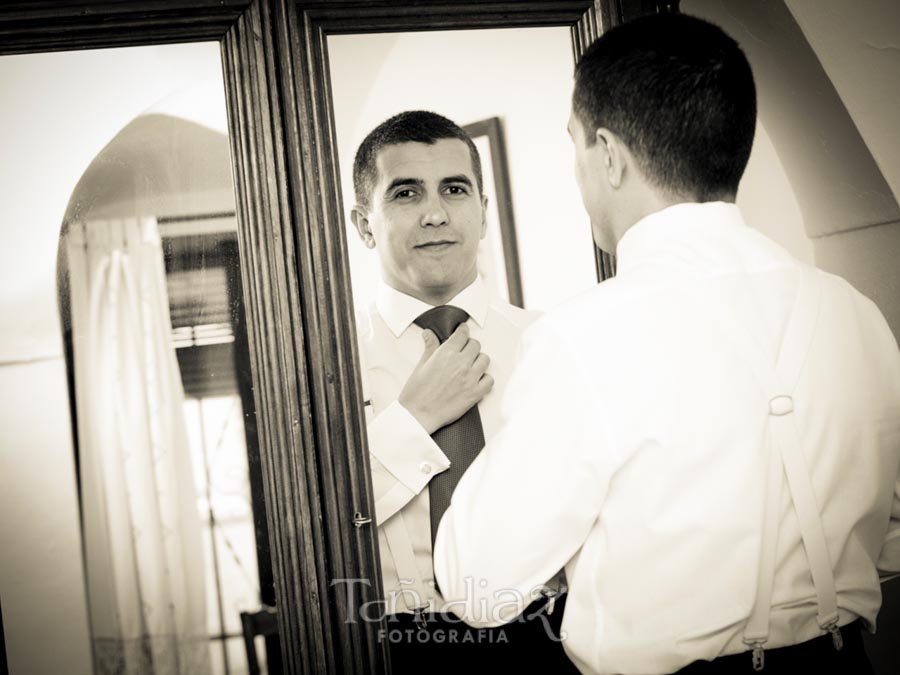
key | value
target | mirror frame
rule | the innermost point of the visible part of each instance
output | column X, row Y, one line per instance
column 294, row 267
column 315, row 152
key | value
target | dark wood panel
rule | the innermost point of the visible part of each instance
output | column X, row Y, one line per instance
column 45, row 25
column 591, row 26
column 277, row 343
column 354, row 16
column 327, row 319
column 278, row 359
column 326, row 302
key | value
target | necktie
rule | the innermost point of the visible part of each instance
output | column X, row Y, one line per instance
column 461, row 440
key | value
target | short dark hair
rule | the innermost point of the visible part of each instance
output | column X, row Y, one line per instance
column 412, row 126
column 679, row 92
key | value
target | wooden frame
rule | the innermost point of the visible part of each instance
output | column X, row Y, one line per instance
column 492, row 130
column 294, row 265
column 309, row 24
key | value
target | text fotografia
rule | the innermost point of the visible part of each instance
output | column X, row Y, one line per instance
column 506, row 606
column 443, row 635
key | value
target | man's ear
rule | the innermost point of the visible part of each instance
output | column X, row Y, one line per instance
column 484, row 203
column 613, row 155
column 360, row 216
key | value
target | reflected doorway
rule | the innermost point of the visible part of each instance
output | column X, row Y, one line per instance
column 167, row 453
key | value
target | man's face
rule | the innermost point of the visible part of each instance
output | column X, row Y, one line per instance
column 425, row 219
column 591, row 178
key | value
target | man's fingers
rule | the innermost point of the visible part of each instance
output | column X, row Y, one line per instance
column 485, row 384
column 431, row 344
column 459, row 338
column 472, row 349
column 482, row 361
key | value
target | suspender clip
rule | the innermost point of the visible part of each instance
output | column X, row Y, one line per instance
column 551, row 596
column 419, row 617
column 836, row 638
column 759, row 654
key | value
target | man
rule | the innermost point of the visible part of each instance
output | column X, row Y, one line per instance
column 421, row 207
column 710, row 441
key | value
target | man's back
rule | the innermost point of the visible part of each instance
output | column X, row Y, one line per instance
column 695, row 316
column 648, row 391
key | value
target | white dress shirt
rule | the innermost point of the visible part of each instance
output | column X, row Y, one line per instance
column 633, row 452
column 404, row 457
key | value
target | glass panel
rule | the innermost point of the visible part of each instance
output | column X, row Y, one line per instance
column 117, row 169
column 509, row 90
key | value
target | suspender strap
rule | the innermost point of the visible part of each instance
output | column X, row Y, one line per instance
column 413, row 592
column 786, row 458
column 757, row 630
column 786, row 451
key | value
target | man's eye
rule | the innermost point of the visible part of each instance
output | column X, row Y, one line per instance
column 404, row 194
column 457, row 190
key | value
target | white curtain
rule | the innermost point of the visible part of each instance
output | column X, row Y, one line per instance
column 143, row 547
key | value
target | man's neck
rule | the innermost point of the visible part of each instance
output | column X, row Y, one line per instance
column 648, row 200
column 435, row 296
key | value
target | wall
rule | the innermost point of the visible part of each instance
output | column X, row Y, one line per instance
column 828, row 95
column 67, row 107
column 826, row 74
column 858, row 45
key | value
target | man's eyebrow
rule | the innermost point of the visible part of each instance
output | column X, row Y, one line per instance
column 398, row 182
column 461, row 178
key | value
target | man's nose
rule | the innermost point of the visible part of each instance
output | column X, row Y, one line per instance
column 434, row 213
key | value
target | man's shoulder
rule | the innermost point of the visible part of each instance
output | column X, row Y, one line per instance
column 516, row 316
column 368, row 322
column 607, row 297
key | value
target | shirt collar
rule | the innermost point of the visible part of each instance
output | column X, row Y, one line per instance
column 697, row 230
column 399, row 310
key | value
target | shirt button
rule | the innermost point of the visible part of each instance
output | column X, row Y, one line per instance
column 425, row 468
column 431, row 583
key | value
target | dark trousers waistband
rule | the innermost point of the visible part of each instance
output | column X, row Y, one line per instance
column 818, row 655
column 530, row 643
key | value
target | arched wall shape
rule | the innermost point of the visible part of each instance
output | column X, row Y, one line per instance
column 178, row 171
column 849, row 210
column 150, row 165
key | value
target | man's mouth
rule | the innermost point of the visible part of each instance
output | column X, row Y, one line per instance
column 438, row 245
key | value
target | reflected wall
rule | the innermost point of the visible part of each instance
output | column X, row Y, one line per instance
column 72, row 109
column 522, row 76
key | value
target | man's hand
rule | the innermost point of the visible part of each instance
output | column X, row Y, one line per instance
column 449, row 379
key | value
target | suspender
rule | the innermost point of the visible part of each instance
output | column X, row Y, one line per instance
column 404, row 556
column 395, row 531
column 786, row 459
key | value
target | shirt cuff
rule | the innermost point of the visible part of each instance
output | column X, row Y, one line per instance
column 399, row 442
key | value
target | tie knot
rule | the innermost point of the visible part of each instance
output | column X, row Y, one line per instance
column 443, row 320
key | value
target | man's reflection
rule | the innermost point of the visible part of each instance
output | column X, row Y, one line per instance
column 421, row 207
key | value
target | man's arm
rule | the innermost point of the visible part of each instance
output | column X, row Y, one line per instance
column 448, row 380
column 528, row 502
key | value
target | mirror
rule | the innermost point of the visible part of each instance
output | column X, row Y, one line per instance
column 510, row 90
column 515, row 83
column 166, row 456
